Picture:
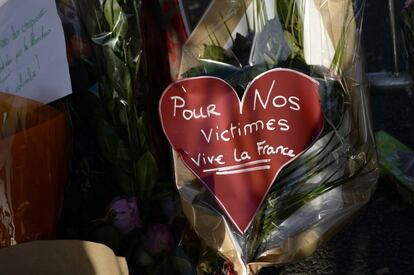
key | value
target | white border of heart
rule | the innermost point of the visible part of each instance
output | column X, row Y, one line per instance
column 240, row 109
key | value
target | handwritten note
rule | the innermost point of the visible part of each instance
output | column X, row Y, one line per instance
column 33, row 59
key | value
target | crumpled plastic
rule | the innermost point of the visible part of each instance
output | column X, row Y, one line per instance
column 343, row 159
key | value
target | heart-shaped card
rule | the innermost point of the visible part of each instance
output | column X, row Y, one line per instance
column 237, row 148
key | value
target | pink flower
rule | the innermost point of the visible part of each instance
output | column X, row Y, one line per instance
column 125, row 214
column 408, row 3
column 159, row 238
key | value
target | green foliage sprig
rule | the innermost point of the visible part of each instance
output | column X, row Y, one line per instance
column 121, row 127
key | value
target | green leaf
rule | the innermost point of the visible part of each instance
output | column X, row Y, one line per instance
column 112, row 11
column 123, row 181
column 117, row 73
column 291, row 41
column 123, row 115
column 213, row 52
column 147, row 173
column 282, row 11
column 116, row 18
column 113, row 148
column 142, row 130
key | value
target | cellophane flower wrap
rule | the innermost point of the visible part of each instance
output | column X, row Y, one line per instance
column 312, row 196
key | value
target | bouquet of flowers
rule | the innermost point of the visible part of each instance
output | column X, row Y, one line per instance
column 303, row 58
column 121, row 192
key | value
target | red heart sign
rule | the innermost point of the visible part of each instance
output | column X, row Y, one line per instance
column 235, row 148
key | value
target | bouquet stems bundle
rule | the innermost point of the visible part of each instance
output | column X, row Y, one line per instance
column 121, row 195
column 121, row 129
column 312, row 196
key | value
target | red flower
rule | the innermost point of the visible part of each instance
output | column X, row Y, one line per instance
column 228, row 269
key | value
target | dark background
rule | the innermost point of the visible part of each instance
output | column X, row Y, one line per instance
column 380, row 238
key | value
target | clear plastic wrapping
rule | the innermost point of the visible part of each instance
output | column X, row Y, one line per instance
column 321, row 189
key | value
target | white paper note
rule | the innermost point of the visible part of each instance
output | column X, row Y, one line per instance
column 33, row 59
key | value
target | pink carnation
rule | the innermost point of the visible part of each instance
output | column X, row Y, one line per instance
column 408, row 3
column 125, row 214
column 159, row 238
